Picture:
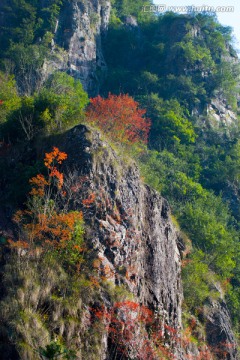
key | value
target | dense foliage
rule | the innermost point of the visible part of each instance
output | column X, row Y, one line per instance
column 172, row 66
column 58, row 105
column 123, row 8
column 149, row 65
column 26, row 32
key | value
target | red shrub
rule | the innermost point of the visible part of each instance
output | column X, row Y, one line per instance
column 120, row 117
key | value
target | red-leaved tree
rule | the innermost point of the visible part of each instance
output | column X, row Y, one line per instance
column 120, row 117
column 44, row 225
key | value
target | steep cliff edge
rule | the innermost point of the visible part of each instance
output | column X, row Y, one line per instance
column 130, row 226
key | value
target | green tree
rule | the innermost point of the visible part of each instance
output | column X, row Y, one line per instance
column 56, row 350
column 124, row 8
column 198, row 280
column 9, row 99
column 28, row 61
column 206, row 222
column 57, row 106
column 61, row 102
column 170, row 125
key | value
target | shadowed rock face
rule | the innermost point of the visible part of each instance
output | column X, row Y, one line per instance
column 130, row 225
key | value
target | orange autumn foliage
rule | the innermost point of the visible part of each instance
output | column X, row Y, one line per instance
column 18, row 244
column 38, row 183
column 52, row 228
column 51, row 161
column 120, row 117
column 55, row 156
column 56, row 229
column 89, row 201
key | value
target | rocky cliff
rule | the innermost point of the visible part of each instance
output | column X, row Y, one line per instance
column 133, row 216
column 219, row 331
column 76, row 47
column 129, row 228
column 132, row 231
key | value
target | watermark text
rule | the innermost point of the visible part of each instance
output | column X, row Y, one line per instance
column 187, row 9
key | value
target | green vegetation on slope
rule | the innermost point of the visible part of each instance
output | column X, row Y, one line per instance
column 174, row 65
column 26, row 32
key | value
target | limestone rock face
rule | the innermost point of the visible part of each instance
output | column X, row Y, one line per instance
column 78, row 31
column 220, row 114
column 130, row 226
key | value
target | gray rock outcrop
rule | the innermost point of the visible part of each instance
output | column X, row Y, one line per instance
column 131, row 230
column 78, row 35
column 130, row 225
column 220, row 336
